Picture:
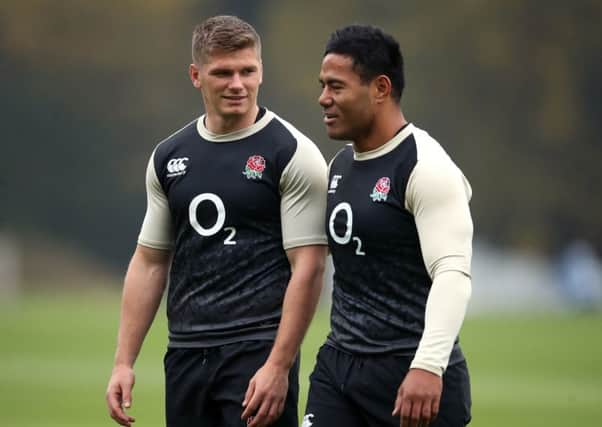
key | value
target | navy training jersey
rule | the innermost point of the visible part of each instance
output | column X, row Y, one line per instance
column 229, row 206
column 381, row 283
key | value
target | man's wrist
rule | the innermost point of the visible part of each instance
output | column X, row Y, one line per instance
column 123, row 364
column 437, row 370
column 280, row 362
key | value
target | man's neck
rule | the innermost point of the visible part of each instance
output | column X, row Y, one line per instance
column 221, row 125
column 384, row 128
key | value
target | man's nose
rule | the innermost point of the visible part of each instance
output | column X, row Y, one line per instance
column 236, row 82
column 324, row 99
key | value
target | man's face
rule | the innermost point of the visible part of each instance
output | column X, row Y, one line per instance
column 229, row 81
column 346, row 101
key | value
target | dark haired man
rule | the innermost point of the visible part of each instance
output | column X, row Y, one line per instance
column 400, row 231
column 235, row 212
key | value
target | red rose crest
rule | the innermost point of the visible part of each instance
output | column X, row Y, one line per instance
column 383, row 185
column 381, row 189
column 254, row 167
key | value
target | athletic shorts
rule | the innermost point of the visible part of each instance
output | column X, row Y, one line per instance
column 205, row 387
column 360, row 391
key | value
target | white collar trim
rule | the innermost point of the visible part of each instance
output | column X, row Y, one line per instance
column 387, row 147
column 237, row 134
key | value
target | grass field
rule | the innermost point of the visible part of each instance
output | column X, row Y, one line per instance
column 56, row 353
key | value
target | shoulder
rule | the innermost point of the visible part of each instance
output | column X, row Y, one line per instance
column 345, row 154
column 435, row 173
column 428, row 149
column 176, row 139
column 295, row 135
column 305, row 153
column 431, row 157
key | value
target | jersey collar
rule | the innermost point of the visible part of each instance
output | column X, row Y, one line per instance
column 236, row 135
column 387, row 147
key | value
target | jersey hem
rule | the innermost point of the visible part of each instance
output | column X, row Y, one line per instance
column 437, row 370
column 306, row 241
column 464, row 271
column 199, row 341
column 155, row 245
column 455, row 356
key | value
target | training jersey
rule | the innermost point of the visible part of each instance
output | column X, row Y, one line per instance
column 381, row 282
column 229, row 206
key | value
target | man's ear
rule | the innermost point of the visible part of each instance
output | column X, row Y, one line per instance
column 381, row 88
column 260, row 72
column 194, row 73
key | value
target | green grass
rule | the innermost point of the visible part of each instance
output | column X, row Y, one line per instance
column 56, row 354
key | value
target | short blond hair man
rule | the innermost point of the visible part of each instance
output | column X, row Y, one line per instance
column 235, row 212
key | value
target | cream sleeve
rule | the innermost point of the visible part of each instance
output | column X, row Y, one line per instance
column 438, row 195
column 156, row 229
column 303, row 196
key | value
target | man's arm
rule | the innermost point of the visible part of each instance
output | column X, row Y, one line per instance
column 438, row 196
column 143, row 287
column 302, row 211
column 266, row 394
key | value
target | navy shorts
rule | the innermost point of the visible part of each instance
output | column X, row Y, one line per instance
column 205, row 387
column 360, row 391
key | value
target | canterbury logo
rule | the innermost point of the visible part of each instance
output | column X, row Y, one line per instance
column 334, row 183
column 177, row 167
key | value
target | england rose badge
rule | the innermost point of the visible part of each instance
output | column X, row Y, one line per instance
column 381, row 189
column 254, row 167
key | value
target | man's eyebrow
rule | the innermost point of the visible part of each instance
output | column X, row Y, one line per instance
column 221, row 70
column 330, row 80
column 232, row 70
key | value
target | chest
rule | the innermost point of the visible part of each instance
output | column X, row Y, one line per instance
column 366, row 211
column 237, row 182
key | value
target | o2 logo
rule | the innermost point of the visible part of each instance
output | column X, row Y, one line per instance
column 347, row 237
column 219, row 223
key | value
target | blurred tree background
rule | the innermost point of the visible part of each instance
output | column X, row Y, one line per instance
column 511, row 89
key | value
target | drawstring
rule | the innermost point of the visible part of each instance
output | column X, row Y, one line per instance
column 205, row 354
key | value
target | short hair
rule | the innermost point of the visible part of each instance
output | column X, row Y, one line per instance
column 373, row 52
column 223, row 33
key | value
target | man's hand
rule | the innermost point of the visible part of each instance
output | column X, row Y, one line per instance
column 418, row 398
column 119, row 394
column 265, row 396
